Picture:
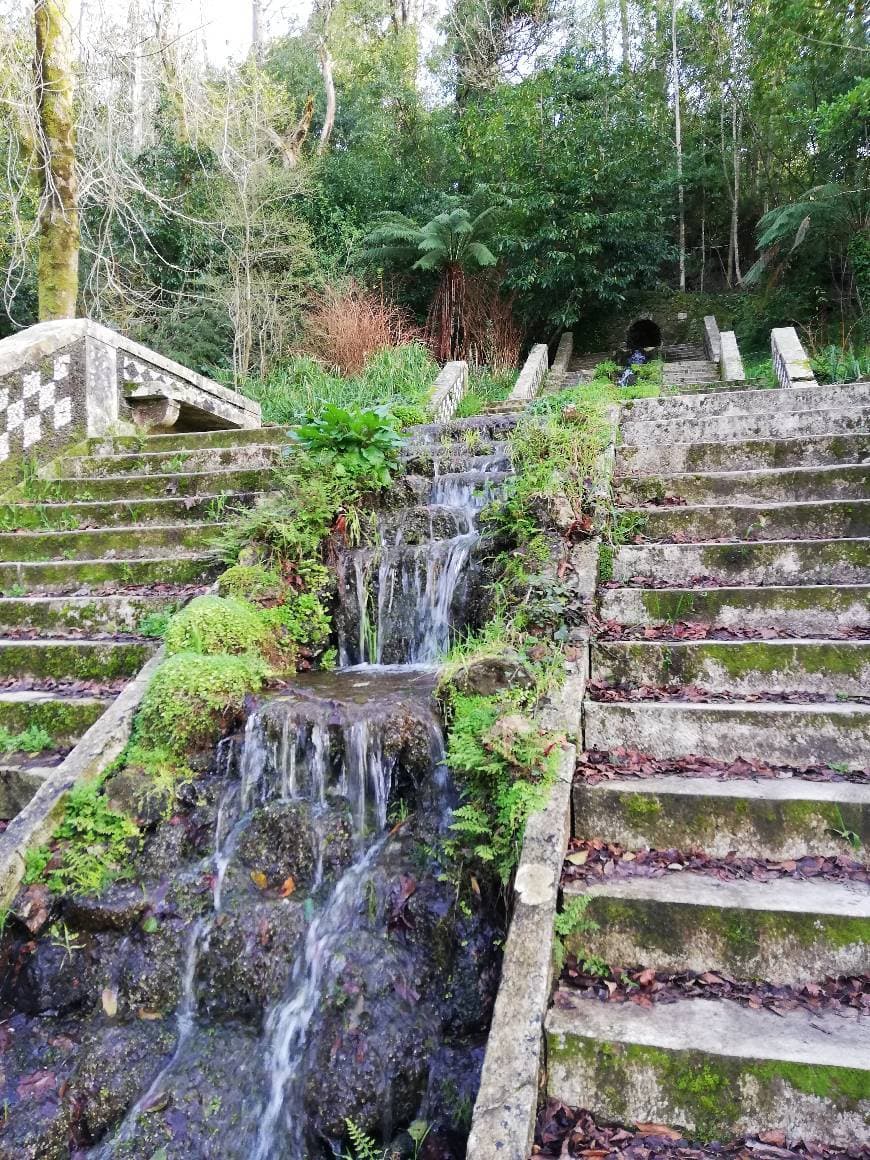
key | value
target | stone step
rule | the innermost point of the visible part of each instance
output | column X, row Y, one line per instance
column 186, row 441
column 99, row 660
column 780, row 562
column 434, row 459
column 761, row 425
column 493, row 427
column 81, row 576
column 810, row 398
column 784, row 931
column 109, row 543
column 706, row 387
column 136, row 487
column 713, row 1068
column 801, row 736
column 168, row 462
column 786, row 485
column 840, row 667
column 19, row 781
column 775, row 818
column 809, row 520
column 71, row 516
column 813, row 609
column 84, row 614
column 742, row 455
column 65, row 719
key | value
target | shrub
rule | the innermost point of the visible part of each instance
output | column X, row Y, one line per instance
column 215, row 624
column 193, row 699
column 252, row 582
column 348, row 325
column 302, row 618
column 361, row 444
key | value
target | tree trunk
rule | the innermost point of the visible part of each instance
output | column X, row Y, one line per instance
column 58, row 211
column 626, row 37
column 256, row 26
column 678, row 141
column 602, row 21
column 735, row 185
column 329, row 86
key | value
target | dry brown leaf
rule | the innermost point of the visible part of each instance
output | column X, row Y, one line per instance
column 109, row 999
column 287, row 886
column 659, row 1130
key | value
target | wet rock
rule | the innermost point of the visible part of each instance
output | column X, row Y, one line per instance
column 120, row 908
column 249, row 957
column 149, row 971
column 116, row 1065
column 37, row 1057
column 485, row 676
column 132, row 792
column 38, row 1127
column 278, row 842
column 336, row 841
column 454, row 1078
column 47, row 976
column 470, row 985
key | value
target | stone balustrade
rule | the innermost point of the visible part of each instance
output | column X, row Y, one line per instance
column 532, row 375
column 791, row 363
column 448, row 391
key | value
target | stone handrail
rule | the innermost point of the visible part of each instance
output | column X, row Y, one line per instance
column 730, row 362
column 712, row 338
column 63, row 381
column 791, row 363
column 448, row 391
column 532, row 375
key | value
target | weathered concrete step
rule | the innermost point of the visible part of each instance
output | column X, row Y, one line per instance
column 83, row 659
column 775, row 732
column 742, row 455
column 118, row 543
column 75, row 575
column 168, row 462
column 788, row 485
column 761, row 425
column 808, row 520
column 71, row 516
column 434, row 459
column 755, row 666
column 783, row 931
column 769, row 818
column 83, row 614
column 186, row 441
column 778, row 562
column 678, row 388
column 119, row 487
column 812, row 610
column 713, row 1068
column 18, row 783
column 490, row 427
column 65, row 719
column 740, row 402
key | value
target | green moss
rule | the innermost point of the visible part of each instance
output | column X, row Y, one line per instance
column 94, row 662
column 252, row 582
column 766, row 658
column 65, row 720
column 641, row 807
column 193, row 699
column 605, row 563
column 213, row 625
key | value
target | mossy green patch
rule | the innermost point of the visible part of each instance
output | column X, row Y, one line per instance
column 212, row 625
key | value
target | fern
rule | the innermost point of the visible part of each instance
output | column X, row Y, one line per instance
column 364, row 1146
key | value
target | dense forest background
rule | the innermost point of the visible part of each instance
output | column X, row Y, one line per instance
column 592, row 149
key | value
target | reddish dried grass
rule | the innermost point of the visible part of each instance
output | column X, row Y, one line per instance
column 348, row 324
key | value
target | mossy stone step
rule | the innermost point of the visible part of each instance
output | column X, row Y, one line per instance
column 186, row 441
column 745, row 455
column 783, row 931
column 810, row 609
column 811, row 520
column 713, row 1068
column 136, row 487
column 779, row 562
column 840, row 481
column 166, row 463
column 754, row 666
column 83, row 660
column 768, row 818
column 719, row 403
column 82, row 614
column 493, row 427
column 72, row 516
column 774, row 732
column 74, row 575
column 114, row 542
column 65, row 719
column 761, row 425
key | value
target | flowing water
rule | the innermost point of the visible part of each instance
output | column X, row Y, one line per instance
column 321, row 973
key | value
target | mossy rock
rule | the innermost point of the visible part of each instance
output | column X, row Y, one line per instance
column 193, row 699
column 254, row 583
column 213, row 625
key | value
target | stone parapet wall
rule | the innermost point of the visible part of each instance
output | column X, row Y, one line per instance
column 730, row 362
column 72, row 379
column 532, row 375
column 448, row 391
column 791, row 363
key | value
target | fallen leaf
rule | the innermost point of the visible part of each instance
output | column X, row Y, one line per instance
column 109, row 999
column 659, row 1130
column 287, row 886
column 578, row 859
column 259, row 879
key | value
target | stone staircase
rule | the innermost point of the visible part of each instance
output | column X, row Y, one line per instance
column 749, row 581
column 87, row 555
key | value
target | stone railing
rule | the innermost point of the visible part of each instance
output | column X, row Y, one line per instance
column 721, row 348
column 532, row 375
column 63, row 381
column 448, row 391
column 712, row 338
column 791, row 363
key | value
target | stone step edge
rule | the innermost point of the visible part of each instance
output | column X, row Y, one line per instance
column 831, row 390
column 151, row 456
column 756, row 508
column 700, row 421
column 217, row 473
column 110, row 529
column 784, row 896
column 694, row 545
column 762, row 789
column 745, row 474
column 715, row 1067
column 80, row 504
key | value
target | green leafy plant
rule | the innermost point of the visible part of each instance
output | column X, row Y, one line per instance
column 361, row 444
column 34, row 739
column 154, row 623
column 571, row 920
column 364, row 1146
column 843, row 831
column 213, row 625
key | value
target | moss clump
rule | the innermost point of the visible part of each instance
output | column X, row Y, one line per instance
column 194, row 699
column 254, row 583
column 212, row 625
